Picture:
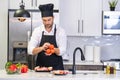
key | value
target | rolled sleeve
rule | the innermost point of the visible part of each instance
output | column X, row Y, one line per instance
column 30, row 49
column 34, row 41
column 61, row 41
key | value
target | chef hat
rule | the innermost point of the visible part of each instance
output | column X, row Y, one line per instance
column 46, row 10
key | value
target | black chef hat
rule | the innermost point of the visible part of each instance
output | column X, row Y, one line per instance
column 46, row 10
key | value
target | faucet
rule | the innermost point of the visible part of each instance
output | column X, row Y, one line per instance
column 82, row 58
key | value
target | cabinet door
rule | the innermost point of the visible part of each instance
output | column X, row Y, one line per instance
column 92, row 15
column 15, row 4
column 32, row 4
column 69, row 17
column 81, row 17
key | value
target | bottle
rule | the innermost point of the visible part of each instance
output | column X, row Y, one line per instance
column 107, row 69
column 112, row 69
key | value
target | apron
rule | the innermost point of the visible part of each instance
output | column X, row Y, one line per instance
column 49, row 61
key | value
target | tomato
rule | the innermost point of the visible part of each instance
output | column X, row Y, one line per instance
column 51, row 46
column 13, row 68
column 24, row 68
column 48, row 51
column 52, row 51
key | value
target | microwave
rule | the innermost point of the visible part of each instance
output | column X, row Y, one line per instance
column 111, row 22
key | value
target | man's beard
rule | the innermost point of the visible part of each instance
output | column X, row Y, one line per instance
column 48, row 26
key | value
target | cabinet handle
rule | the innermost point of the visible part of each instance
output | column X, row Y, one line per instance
column 32, row 3
column 36, row 3
column 82, row 25
column 78, row 26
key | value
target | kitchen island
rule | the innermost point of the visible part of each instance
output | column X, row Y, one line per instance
column 80, row 75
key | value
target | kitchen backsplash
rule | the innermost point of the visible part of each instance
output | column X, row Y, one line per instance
column 110, row 46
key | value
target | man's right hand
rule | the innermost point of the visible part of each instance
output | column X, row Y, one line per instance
column 45, row 46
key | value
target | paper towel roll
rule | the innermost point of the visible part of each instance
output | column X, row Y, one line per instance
column 89, row 53
column 28, row 35
column 97, row 51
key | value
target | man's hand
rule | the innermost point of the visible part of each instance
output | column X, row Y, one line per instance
column 42, row 48
column 50, row 50
column 45, row 46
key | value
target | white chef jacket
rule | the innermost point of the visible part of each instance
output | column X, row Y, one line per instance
column 61, row 38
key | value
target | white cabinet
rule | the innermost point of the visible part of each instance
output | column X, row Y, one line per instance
column 32, row 4
column 92, row 18
column 81, row 17
column 55, row 2
column 68, row 16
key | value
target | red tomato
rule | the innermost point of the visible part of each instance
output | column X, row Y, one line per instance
column 51, row 46
column 24, row 69
column 48, row 51
column 52, row 51
column 13, row 68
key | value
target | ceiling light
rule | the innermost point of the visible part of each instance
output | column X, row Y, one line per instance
column 21, row 13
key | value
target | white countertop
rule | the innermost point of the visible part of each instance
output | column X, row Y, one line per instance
column 80, row 75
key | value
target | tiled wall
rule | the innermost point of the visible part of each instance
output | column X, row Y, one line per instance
column 110, row 45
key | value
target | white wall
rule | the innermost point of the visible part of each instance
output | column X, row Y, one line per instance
column 3, row 32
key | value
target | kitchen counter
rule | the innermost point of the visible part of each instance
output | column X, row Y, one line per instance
column 80, row 75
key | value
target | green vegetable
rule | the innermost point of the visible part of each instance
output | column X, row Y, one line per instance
column 18, row 65
column 8, row 64
column 9, row 71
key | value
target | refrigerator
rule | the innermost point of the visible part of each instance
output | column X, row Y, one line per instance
column 19, row 33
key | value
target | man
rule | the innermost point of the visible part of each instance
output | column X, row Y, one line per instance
column 43, row 36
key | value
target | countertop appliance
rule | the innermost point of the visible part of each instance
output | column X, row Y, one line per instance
column 115, row 62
